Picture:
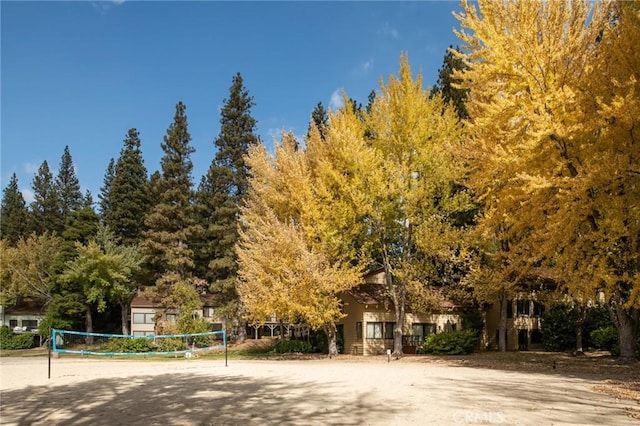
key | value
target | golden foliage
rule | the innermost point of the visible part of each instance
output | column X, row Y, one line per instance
column 554, row 106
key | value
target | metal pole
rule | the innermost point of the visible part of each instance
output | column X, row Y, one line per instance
column 49, row 350
column 225, row 348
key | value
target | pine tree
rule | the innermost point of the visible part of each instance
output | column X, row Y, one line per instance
column 13, row 213
column 128, row 193
column 319, row 119
column 448, row 86
column 68, row 186
column 224, row 188
column 44, row 211
column 105, row 189
column 171, row 225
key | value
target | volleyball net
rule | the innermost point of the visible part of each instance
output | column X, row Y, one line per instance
column 101, row 344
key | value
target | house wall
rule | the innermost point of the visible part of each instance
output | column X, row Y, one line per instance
column 364, row 314
column 523, row 330
column 25, row 321
column 143, row 323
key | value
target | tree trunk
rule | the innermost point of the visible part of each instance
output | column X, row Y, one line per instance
column 582, row 313
column 242, row 331
column 399, row 302
column 88, row 322
column 124, row 317
column 330, row 331
column 626, row 321
column 502, row 328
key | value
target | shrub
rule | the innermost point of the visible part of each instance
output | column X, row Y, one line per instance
column 597, row 317
column 9, row 340
column 605, row 338
column 450, row 343
column 130, row 345
column 472, row 320
column 558, row 329
column 170, row 344
column 293, row 346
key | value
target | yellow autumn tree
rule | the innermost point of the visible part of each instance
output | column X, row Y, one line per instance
column 289, row 264
column 413, row 193
column 553, row 153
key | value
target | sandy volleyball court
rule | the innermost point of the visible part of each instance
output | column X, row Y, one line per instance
column 346, row 391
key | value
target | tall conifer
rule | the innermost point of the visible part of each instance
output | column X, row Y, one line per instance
column 171, row 223
column 13, row 213
column 223, row 189
column 44, row 211
column 128, row 193
column 105, row 189
column 68, row 186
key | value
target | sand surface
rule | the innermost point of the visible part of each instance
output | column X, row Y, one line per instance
column 364, row 391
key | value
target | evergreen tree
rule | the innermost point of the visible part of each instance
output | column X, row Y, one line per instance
column 105, row 189
column 128, row 193
column 171, row 223
column 45, row 212
column 68, row 186
column 68, row 305
column 447, row 84
column 13, row 213
column 320, row 119
column 223, row 190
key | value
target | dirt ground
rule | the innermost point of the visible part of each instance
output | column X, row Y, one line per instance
column 340, row 391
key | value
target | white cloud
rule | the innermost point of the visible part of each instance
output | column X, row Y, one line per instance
column 31, row 168
column 28, row 196
column 367, row 66
column 336, row 101
column 390, row 31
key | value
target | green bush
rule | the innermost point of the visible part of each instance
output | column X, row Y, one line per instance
column 9, row 340
column 597, row 317
column 293, row 346
column 450, row 343
column 170, row 344
column 134, row 345
column 558, row 329
column 605, row 338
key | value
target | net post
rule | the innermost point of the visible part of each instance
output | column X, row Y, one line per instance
column 49, row 351
column 224, row 337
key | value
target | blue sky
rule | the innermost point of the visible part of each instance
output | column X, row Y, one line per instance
column 82, row 73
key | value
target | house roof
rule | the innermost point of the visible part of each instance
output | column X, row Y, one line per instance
column 373, row 293
column 145, row 302
column 26, row 307
column 368, row 294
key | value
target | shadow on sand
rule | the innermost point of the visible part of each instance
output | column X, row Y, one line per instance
column 184, row 399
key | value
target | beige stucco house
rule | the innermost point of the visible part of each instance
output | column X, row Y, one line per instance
column 523, row 324
column 367, row 328
column 145, row 312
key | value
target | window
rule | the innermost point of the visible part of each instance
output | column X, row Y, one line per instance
column 388, row 329
column 536, row 336
column 509, row 308
column 208, row 312
column 421, row 331
column 142, row 333
column 523, row 307
column 538, row 309
column 374, row 330
column 140, row 318
column 13, row 323
column 359, row 330
column 30, row 324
